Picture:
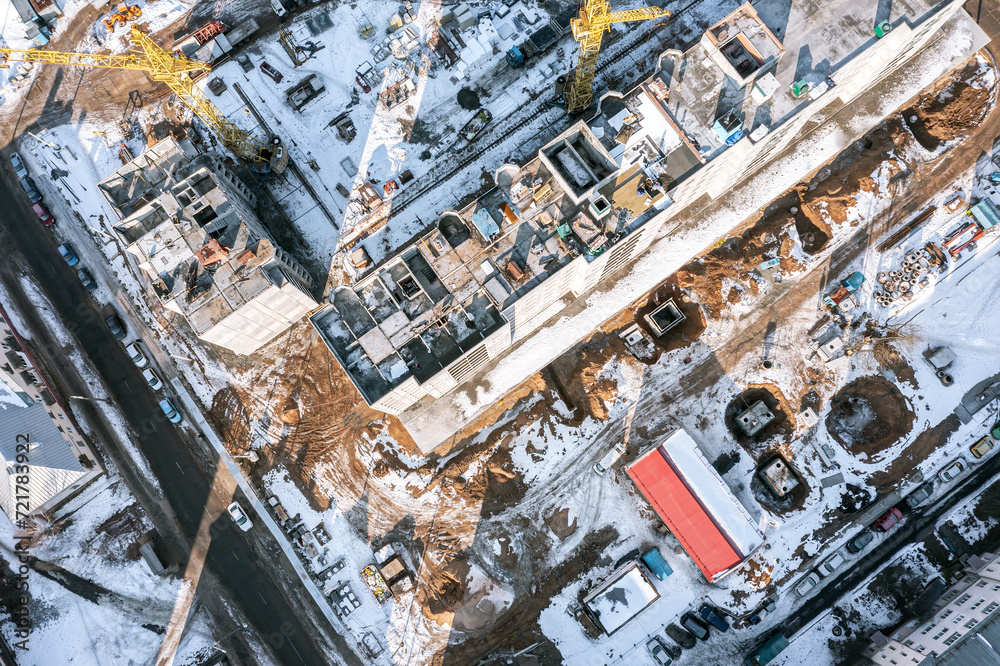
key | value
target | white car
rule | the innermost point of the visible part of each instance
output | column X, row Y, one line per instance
column 952, row 470
column 154, row 381
column 238, row 516
column 807, row 584
column 135, row 353
column 612, row 456
column 831, row 564
column 278, row 8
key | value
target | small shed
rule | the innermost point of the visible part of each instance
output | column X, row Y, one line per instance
column 656, row 564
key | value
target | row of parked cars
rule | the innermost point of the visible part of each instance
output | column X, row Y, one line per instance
column 120, row 332
column 892, row 517
column 28, row 185
column 694, row 627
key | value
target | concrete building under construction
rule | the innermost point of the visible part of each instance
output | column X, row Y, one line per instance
column 191, row 225
column 451, row 305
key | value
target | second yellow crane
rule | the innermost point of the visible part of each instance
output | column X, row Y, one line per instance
column 589, row 27
column 161, row 65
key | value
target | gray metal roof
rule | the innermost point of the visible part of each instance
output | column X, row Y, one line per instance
column 979, row 647
column 52, row 464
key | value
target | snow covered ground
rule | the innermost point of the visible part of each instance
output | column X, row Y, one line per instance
column 98, row 602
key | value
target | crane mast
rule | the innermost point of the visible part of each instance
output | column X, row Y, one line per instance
column 589, row 27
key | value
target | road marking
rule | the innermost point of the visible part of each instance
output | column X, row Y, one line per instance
column 262, row 598
column 178, row 466
column 236, row 556
column 292, row 645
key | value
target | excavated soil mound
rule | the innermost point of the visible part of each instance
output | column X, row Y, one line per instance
column 779, row 426
column 951, row 111
column 723, row 275
column 869, row 415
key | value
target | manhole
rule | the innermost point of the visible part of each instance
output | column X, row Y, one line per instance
column 767, row 365
column 837, row 630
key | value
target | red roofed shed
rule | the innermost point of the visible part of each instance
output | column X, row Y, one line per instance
column 696, row 505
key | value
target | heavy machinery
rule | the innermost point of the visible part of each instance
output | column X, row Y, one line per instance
column 589, row 27
column 173, row 70
column 123, row 14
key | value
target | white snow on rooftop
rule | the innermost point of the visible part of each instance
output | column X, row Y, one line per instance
column 716, row 496
column 619, row 600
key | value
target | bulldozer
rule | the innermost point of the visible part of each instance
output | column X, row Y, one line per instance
column 123, row 14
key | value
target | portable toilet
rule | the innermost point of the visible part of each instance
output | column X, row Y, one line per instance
column 656, row 564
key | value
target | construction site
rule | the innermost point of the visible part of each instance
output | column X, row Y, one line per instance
column 537, row 329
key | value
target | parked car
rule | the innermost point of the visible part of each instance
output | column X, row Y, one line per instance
column 762, row 611
column 239, row 517
column 116, row 326
column 695, row 626
column 858, row 543
column 831, row 564
column 28, row 185
column 20, row 170
column 890, row 519
column 271, row 71
column 610, row 458
column 709, row 614
column 807, row 584
column 68, row 255
column 134, row 351
column 244, row 61
column 681, row 637
column 278, row 8
column 658, row 652
column 982, row 447
column 43, row 214
column 170, row 411
column 153, row 379
column 920, row 495
column 995, row 431
column 951, row 471
column 86, row 279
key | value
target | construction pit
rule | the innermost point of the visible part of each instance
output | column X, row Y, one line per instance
column 869, row 415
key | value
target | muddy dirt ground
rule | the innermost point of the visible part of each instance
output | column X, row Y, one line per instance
column 868, row 416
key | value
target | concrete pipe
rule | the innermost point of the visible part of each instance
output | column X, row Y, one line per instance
column 904, row 286
column 882, row 278
column 947, row 380
column 890, row 286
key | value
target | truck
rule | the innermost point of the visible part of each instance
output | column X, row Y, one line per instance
column 843, row 295
column 768, row 651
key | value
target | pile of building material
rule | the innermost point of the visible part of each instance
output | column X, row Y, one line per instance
column 914, row 274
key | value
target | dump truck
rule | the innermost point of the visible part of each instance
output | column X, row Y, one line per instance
column 476, row 125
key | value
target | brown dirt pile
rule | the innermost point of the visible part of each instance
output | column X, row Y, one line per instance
column 869, row 415
column 951, row 110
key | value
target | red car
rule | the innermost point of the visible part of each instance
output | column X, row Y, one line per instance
column 43, row 214
column 889, row 520
column 271, row 71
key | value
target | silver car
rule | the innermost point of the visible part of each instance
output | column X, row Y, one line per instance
column 18, row 165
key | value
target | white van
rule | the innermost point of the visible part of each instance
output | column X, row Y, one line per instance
column 278, row 8
column 612, row 456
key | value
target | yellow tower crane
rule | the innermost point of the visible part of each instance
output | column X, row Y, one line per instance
column 161, row 65
column 589, row 27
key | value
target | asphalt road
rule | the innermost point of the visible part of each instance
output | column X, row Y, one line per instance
column 233, row 558
column 917, row 526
